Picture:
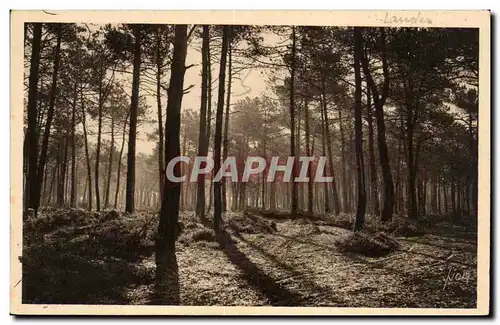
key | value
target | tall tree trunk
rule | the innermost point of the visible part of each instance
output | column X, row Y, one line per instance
column 335, row 195
column 294, row 206
column 412, row 172
column 453, row 198
column 203, row 136
column 209, row 122
column 98, row 145
column 218, row 130
column 73, row 148
column 167, row 276
column 297, row 150
column 44, row 191
column 226, row 117
column 130, row 197
column 32, row 184
column 360, row 172
column 345, row 202
column 161, row 156
column 52, row 182
column 50, row 115
column 310, row 209
column 379, row 101
column 87, row 155
column 183, row 184
column 323, row 153
column 371, row 154
column 62, row 176
column 110, row 161
column 118, row 172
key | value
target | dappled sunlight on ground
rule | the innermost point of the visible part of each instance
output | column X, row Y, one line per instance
column 290, row 262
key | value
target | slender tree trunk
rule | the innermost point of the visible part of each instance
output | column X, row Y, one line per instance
column 118, row 172
column 226, row 118
column 87, row 155
column 167, row 276
column 335, row 195
column 453, row 198
column 209, row 122
column 50, row 115
column 183, row 184
column 379, row 101
column 323, row 148
column 263, row 178
column 218, row 130
column 345, row 204
column 62, row 176
column 129, row 202
column 44, row 192
column 294, row 205
column 98, row 145
column 159, row 67
column 32, row 184
column 310, row 209
column 412, row 172
column 361, row 206
column 110, row 161
column 52, row 182
column 371, row 152
column 73, row 148
column 203, row 136
column 297, row 151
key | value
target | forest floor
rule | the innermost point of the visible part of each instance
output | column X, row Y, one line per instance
column 73, row 257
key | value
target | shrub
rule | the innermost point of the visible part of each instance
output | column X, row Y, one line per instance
column 343, row 220
column 251, row 224
column 197, row 235
column 366, row 244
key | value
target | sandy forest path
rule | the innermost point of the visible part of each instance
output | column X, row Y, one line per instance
column 299, row 265
column 295, row 264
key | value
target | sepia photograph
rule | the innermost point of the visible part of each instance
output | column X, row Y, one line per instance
column 236, row 162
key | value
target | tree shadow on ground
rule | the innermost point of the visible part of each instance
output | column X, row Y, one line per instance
column 310, row 286
column 306, row 242
column 167, row 287
column 276, row 294
column 463, row 246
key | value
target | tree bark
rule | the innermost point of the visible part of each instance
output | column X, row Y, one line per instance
column 98, row 145
column 310, row 209
column 32, row 132
column 323, row 148
column 361, row 206
column 118, row 172
column 345, row 201
column 218, row 130
column 379, row 101
column 371, row 153
column 129, row 201
column 203, row 136
column 167, row 278
column 87, row 155
column 110, row 161
column 335, row 195
column 294, row 205
column 50, row 116
column 73, row 148
column 159, row 67
column 226, row 118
